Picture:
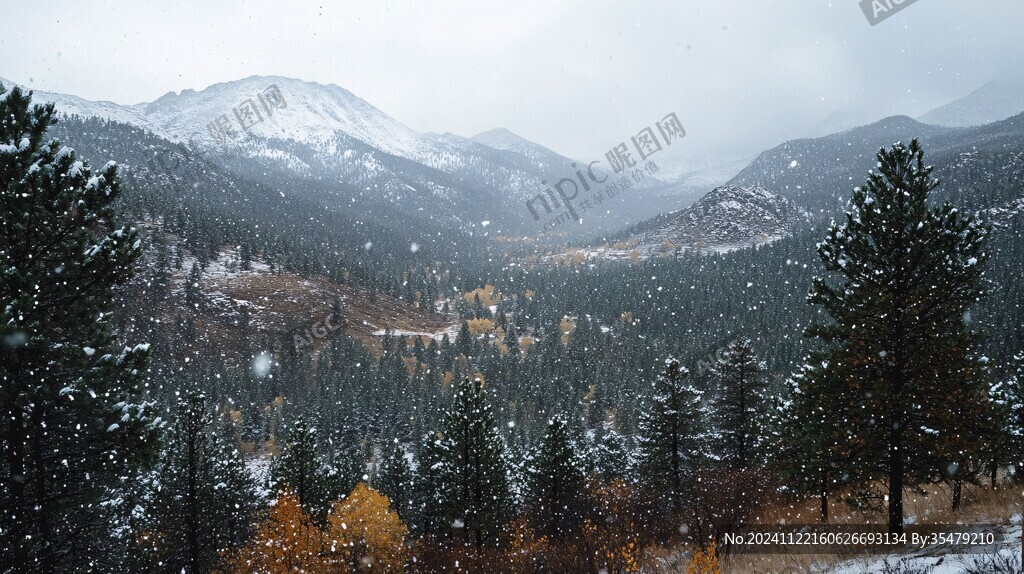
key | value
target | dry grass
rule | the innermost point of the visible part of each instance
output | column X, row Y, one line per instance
column 282, row 302
column 981, row 505
column 935, row 506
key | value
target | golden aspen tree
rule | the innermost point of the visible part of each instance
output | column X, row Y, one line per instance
column 365, row 534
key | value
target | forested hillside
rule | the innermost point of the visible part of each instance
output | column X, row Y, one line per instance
column 210, row 367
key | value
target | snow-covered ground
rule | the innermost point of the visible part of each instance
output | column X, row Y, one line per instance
column 942, row 559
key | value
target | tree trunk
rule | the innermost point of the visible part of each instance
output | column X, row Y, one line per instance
column 824, row 496
column 42, row 503
column 957, row 493
column 896, row 479
column 191, row 494
column 16, row 477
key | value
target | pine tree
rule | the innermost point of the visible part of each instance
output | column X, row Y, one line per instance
column 395, row 480
column 475, row 490
column 70, row 429
column 429, row 487
column 305, row 470
column 741, row 410
column 555, row 483
column 669, row 431
column 909, row 274
column 204, row 499
column 464, row 341
column 815, row 455
column 1015, row 417
column 999, row 439
column 611, row 456
column 194, row 287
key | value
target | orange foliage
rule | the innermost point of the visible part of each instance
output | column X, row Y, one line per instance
column 487, row 296
column 286, row 541
column 704, row 561
column 481, row 325
column 364, row 533
column 525, row 343
column 615, row 541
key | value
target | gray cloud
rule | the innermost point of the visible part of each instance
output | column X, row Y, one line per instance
column 576, row 76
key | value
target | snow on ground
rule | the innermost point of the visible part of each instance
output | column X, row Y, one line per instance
column 644, row 251
column 940, row 559
column 452, row 332
column 259, row 469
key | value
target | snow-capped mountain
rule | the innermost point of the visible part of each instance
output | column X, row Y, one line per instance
column 543, row 158
column 990, row 103
column 74, row 105
column 302, row 134
column 726, row 218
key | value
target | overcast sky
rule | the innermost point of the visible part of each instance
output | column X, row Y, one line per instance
column 574, row 75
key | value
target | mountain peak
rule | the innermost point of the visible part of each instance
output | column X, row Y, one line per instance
column 992, row 102
column 502, row 138
column 728, row 217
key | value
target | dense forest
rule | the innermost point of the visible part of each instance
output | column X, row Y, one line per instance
column 580, row 415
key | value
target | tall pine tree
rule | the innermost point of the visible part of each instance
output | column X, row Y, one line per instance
column 72, row 428
column 741, row 410
column 204, row 499
column 555, row 483
column 474, row 481
column 908, row 273
column 669, row 435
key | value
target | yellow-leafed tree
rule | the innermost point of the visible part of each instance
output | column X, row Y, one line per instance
column 365, row 534
column 286, row 541
column 704, row 561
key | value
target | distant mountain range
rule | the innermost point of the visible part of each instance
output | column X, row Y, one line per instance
column 809, row 181
column 329, row 148
column 990, row 103
column 304, row 135
column 981, row 167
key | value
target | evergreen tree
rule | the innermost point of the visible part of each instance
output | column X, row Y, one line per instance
column 475, row 490
column 814, row 454
column 428, row 486
column 194, row 287
column 395, row 480
column 611, row 454
column 204, row 499
column 668, row 435
column 71, row 431
column 314, row 477
column 464, row 340
column 741, row 410
column 1015, row 418
column 556, row 484
column 909, row 274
